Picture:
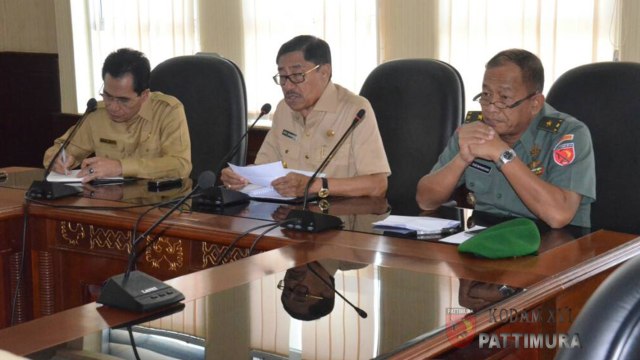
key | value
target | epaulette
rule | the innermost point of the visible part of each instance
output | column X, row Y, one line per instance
column 473, row 116
column 169, row 99
column 550, row 124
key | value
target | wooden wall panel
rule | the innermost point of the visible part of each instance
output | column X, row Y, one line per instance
column 29, row 98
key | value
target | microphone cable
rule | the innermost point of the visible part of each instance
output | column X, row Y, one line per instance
column 280, row 223
column 133, row 342
column 232, row 245
column 25, row 222
column 134, row 231
column 14, row 301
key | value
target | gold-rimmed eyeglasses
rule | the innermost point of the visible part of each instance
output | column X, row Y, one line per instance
column 485, row 100
column 299, row 291
column 296, row 78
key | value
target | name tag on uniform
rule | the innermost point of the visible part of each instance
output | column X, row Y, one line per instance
column 289, row 134
column 480, row 167
column 108, row 141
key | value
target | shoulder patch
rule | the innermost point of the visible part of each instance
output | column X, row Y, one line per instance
column 550, row 124
column 473, row 116
column 169, row 99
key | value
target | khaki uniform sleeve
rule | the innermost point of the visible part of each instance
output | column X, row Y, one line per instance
column 175, row 149
column 80, row 146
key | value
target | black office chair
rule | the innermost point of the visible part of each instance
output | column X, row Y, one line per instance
column 608, row 326
column 213, row 92
column 418, row 103
column 606, row 97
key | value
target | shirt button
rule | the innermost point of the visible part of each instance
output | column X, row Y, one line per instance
column 307, row 134
column 472, row 184
column 499, row 195
column 306, row 157
column 286, row 151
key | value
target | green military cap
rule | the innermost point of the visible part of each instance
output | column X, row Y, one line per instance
column 516, row 237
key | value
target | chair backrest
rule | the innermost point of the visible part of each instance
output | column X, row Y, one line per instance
column 606, row 97
column 608, row 326
column 213, row 93
column 418, row 103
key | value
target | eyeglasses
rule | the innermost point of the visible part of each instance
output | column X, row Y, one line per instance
column 485, row 100
column 121, row 101
column 299, row 291
column 294, row 78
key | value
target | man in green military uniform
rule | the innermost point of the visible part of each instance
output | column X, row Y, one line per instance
column 520, row 157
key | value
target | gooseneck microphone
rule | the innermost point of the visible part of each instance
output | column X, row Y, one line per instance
column 48, row 190
column 136, row 291
column 222, row 196
column 363, row 314
column 309, row 221
column 264, row 110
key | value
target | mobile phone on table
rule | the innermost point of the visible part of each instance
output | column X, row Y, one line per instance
column 162, row 184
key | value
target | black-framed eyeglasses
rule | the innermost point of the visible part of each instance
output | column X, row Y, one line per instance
column 296, row 78
column 299, row 291
column 485, row 100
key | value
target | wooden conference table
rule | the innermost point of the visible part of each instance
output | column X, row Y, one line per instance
column 413, row 290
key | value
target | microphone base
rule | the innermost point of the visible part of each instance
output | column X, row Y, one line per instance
column 309, row 221
column 220, row 196
column 46, row 190
column 139, row 293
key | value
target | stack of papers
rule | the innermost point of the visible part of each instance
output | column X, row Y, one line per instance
column 72, row 177
column 260, row 178
column 425, row 225
column 422, row 225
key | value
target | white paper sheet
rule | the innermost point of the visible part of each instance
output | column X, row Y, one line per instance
column 463, row 236
column 423, row 225
column 264, row 174
column 72, row 177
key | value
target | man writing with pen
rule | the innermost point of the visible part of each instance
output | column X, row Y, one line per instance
column 133, row 133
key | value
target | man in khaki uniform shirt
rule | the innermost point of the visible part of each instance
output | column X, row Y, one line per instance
column 310, row 120
column 133, row 133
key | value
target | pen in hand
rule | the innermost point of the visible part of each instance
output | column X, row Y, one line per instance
column 64, row 161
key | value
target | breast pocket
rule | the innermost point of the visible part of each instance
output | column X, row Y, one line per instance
column 478, row 178
column 111, row 150
column 342, row 163
column 290, row 154
column 152, row 150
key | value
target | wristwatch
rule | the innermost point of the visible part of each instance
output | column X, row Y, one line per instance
column 324, row 205
column 324, row 190
column 506, row 157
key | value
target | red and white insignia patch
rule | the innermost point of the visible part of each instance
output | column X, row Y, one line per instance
column 564, row 152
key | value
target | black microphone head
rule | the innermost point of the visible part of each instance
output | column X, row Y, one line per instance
column 207, row 179
column 359, row 115
column 92, row 104
column 265, row 109
column 363, row 314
